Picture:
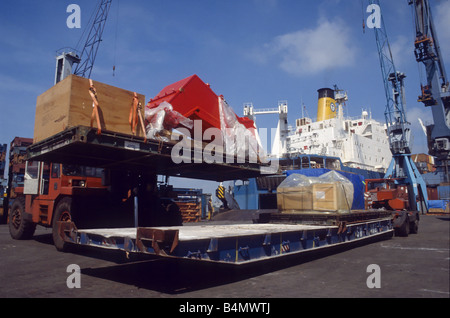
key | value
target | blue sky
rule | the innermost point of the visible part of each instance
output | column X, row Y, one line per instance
column 258, row 51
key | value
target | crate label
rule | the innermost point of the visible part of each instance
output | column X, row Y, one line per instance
column 320, row 195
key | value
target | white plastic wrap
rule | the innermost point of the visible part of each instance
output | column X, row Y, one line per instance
column 164, row 117
column 297, row 180
column 155, row 119
column 238, row 140
column 335, row 177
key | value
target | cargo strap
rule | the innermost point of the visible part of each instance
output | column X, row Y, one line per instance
column 95, row 114
column 133, row 118
column 342, row 227
column 136, row 115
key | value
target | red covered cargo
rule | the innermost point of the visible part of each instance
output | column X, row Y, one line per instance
column 194, row 99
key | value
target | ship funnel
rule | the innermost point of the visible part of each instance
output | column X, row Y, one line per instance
column 326, row 107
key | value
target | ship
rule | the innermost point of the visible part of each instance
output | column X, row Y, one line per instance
column 358, row 147
column 359, row 142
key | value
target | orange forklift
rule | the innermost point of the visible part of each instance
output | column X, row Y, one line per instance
column 389, row 194
column 49, row 194
column 89, row 197
column 385, row 193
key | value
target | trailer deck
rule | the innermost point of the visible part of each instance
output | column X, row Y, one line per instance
column 82, row 145
column 231, row 244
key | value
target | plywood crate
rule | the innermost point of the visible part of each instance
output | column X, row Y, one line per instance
column 69, row 104
column 291, row 199
column 329, row 197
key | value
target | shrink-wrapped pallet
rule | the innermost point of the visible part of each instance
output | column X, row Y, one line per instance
column 331, row 192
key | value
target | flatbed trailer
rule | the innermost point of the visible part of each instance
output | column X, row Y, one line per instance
column 232, row 243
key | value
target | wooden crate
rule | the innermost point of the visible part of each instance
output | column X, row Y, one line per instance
column 69, row 104
column 329, row 197
column 294, row 199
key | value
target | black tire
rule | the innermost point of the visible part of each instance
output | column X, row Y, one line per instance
column 403, row 230
column 174, row 215
column 63, row 212
column 414, row 227
column 19, row 227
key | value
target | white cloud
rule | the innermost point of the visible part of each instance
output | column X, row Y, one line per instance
column 419, row 138
column 399, row 47
column 311, row 51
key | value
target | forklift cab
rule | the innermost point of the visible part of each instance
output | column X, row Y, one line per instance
column 34, row 179
column 47, row 178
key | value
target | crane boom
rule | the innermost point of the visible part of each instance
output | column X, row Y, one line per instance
column 90, row 49
column 402, row 167
column 435, row 93
column 67, row 57
column 395, row 113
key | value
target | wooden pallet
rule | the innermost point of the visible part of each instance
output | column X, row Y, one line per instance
column 190, row 211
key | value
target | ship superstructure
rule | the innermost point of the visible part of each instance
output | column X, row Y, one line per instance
column 360, row 142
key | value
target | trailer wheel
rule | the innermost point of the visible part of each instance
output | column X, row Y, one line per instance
column 63, row 212
column 19, row 227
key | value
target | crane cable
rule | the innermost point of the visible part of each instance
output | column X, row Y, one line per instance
column 115, row 39
column 363, row 17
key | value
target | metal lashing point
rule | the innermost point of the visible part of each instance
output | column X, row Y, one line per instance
column 213, row 245
column 285, row 247
column 244, row 252
column 267, row 244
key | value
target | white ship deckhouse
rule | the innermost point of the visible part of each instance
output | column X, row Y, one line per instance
column 359, row 142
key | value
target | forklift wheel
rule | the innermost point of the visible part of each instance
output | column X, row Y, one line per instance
column 62, row 213
column 404, row 229
column 19, row 227
column 414, row 227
